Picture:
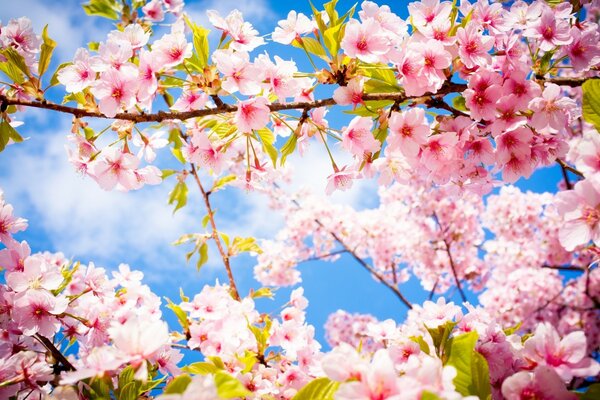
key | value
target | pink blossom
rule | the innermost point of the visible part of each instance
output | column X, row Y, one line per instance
column 550, row 30
column 116, row 169
column 203, row 152
column 134, row 35
column 278, row 77
column 435, row 60
column 483, row 93
column 252, row 114
column 112, row 55
column 428, row 12
column 543, row 383
column 584, row 50
column 567, row 356
column 379, row 381
column 171, row 49
column 580, row 208
column 341, row 179
column 9, row 224
column 292, row 28
column 408, row 131
column 36, row 274
column 148, row 145
column 153, row 10
column 139, row 340
column 552, row 110
column 148, row 82
column 78, row 75
column 473, row 47
column 365, row 41
column 245, row 37
column 35, row 311
column 439, row 150
column 350, row 94
column 116, row 90
column 238, row 73
column 13, row 257
column 358, row 139
column 190, row 100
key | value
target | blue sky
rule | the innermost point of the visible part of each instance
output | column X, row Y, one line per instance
column 71, row 214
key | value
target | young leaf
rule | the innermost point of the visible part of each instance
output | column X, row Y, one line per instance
column 178, row 384
column 200, row 368
column 591, row 102
column 312, row 46
column 7, row 132
column 288, row 148
column 178, row 196
column 222, row 182
column 203, row 252
column 47, row 48
column 229, row 387
column 179, row 313
column 103, row 8
column 321, row 388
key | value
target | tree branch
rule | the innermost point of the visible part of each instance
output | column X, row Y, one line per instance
column 222, row 108
column 58, row 356
column 362, row 262
column 567, row 167
column 215, row 235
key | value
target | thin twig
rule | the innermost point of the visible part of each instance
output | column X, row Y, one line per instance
column 453, row 267
column 362, row 262
column 567, row 167
column 322, row 256
column 215, row 235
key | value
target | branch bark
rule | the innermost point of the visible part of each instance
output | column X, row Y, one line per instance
column 215, row 235
column 58, row 356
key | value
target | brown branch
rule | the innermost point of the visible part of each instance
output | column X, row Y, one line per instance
column 221, row 108
column 215, row 235
column 453, row 267
column 322, row 256
column 452, row 264
column 567, row 167
column 58, row 356
column 362, row 262
column 564, row 267
column 566, row 81
column 437, row 280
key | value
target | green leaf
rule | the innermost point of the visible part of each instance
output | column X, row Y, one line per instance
column 14, row 73
column 47, row 48
column 440, row 335
column 178, row 196
column 480, row 375
column 228, row 387
column 426, row 395
column 331, row 12
column 201, row 46
column 382, row 79
column 247, row 244
column 333, row 37
column 472, row 372
column 179, row 313
column 203, row 252
column 188, row 237
column 458, row 102
column 200, row 368
column 178, row 385
column 126, row 376
column 263, row 292
column 513, row 329
column 288, row 148
column 130, row 391
column 103, row 8
column 16, row 60
column 311, row 45
column 222, row 182
column 8, row 132
column 421, row 342
column 267, row 139
column 320, row 388
column 54, row 80
column 591, row 102
column 318, row 18
column 168, row 172
column 370, row 109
